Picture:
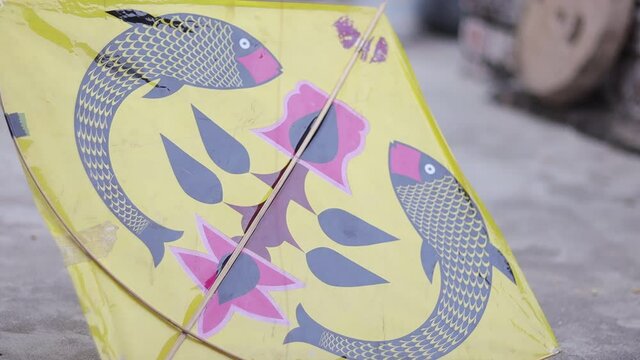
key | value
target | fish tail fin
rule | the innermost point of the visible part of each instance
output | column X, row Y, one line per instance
column 155, row 236
column 308, row 330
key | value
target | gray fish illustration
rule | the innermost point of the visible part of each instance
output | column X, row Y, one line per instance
column 455, row 236
column 175, row 50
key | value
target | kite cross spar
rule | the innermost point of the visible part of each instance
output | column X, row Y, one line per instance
column 313, row 128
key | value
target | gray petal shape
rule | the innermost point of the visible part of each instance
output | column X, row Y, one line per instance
column 349, row 230
column 241, row 278
column 336, row 270
column 324, row 145
column 225, row 151
column 195, row 179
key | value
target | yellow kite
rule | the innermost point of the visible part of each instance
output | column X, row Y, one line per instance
column 254, row 180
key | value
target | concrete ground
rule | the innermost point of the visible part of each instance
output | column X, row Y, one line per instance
column 568, row 205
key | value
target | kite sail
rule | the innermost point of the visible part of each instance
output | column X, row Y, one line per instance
column 254, row 180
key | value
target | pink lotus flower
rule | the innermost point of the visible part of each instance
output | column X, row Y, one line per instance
column 340, row 138
column 244, row 290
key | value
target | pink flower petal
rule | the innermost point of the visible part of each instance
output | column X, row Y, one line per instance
column 217, row 243
column 200, row 268
column 257, row 305
column 271, row 276
column 215, row 317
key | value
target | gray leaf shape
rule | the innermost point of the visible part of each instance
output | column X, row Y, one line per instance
column 349, row 230
column 195, row 179
column 242, row 278
column 225, row 151
column 324, row 145
column 336, row 270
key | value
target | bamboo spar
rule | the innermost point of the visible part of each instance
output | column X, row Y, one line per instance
column 280, row 183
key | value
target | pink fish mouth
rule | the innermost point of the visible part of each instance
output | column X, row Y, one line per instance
column 404, row 160
column 261, row 65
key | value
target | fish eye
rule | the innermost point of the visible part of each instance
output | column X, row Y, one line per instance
column 244, row 43
column 430, row 169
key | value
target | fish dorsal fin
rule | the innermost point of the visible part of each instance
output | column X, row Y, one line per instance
column 132, row 16
column 137, row 17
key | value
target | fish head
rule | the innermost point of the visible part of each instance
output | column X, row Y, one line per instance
column 257, row 65
column 215, row 52
column 410, row 166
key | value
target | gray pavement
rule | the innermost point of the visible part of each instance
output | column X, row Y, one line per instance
column 39, row 313
column 568, row 205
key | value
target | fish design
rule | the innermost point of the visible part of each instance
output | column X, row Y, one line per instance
column 173, row 50
column 455, row 236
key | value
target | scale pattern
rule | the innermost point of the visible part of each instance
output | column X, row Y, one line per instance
column 445, row 216
column 172, row 47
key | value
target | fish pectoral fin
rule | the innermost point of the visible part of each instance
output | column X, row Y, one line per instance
column 498, row 260
column 165, row 87
column 429, row 258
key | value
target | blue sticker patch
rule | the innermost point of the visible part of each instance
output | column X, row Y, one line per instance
column 17, row 124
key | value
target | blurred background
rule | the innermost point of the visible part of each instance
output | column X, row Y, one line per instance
column 540, row 103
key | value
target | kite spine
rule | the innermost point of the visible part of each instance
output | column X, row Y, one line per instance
column 313, row 128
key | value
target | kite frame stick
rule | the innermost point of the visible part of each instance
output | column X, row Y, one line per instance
column 281, row 181
column 85, row 250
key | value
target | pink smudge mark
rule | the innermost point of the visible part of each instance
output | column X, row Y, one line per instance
column 256, row 304
column 349, row 36
column 405, row 161
column 347, row 33
column 306, row 99
column 381, row 51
